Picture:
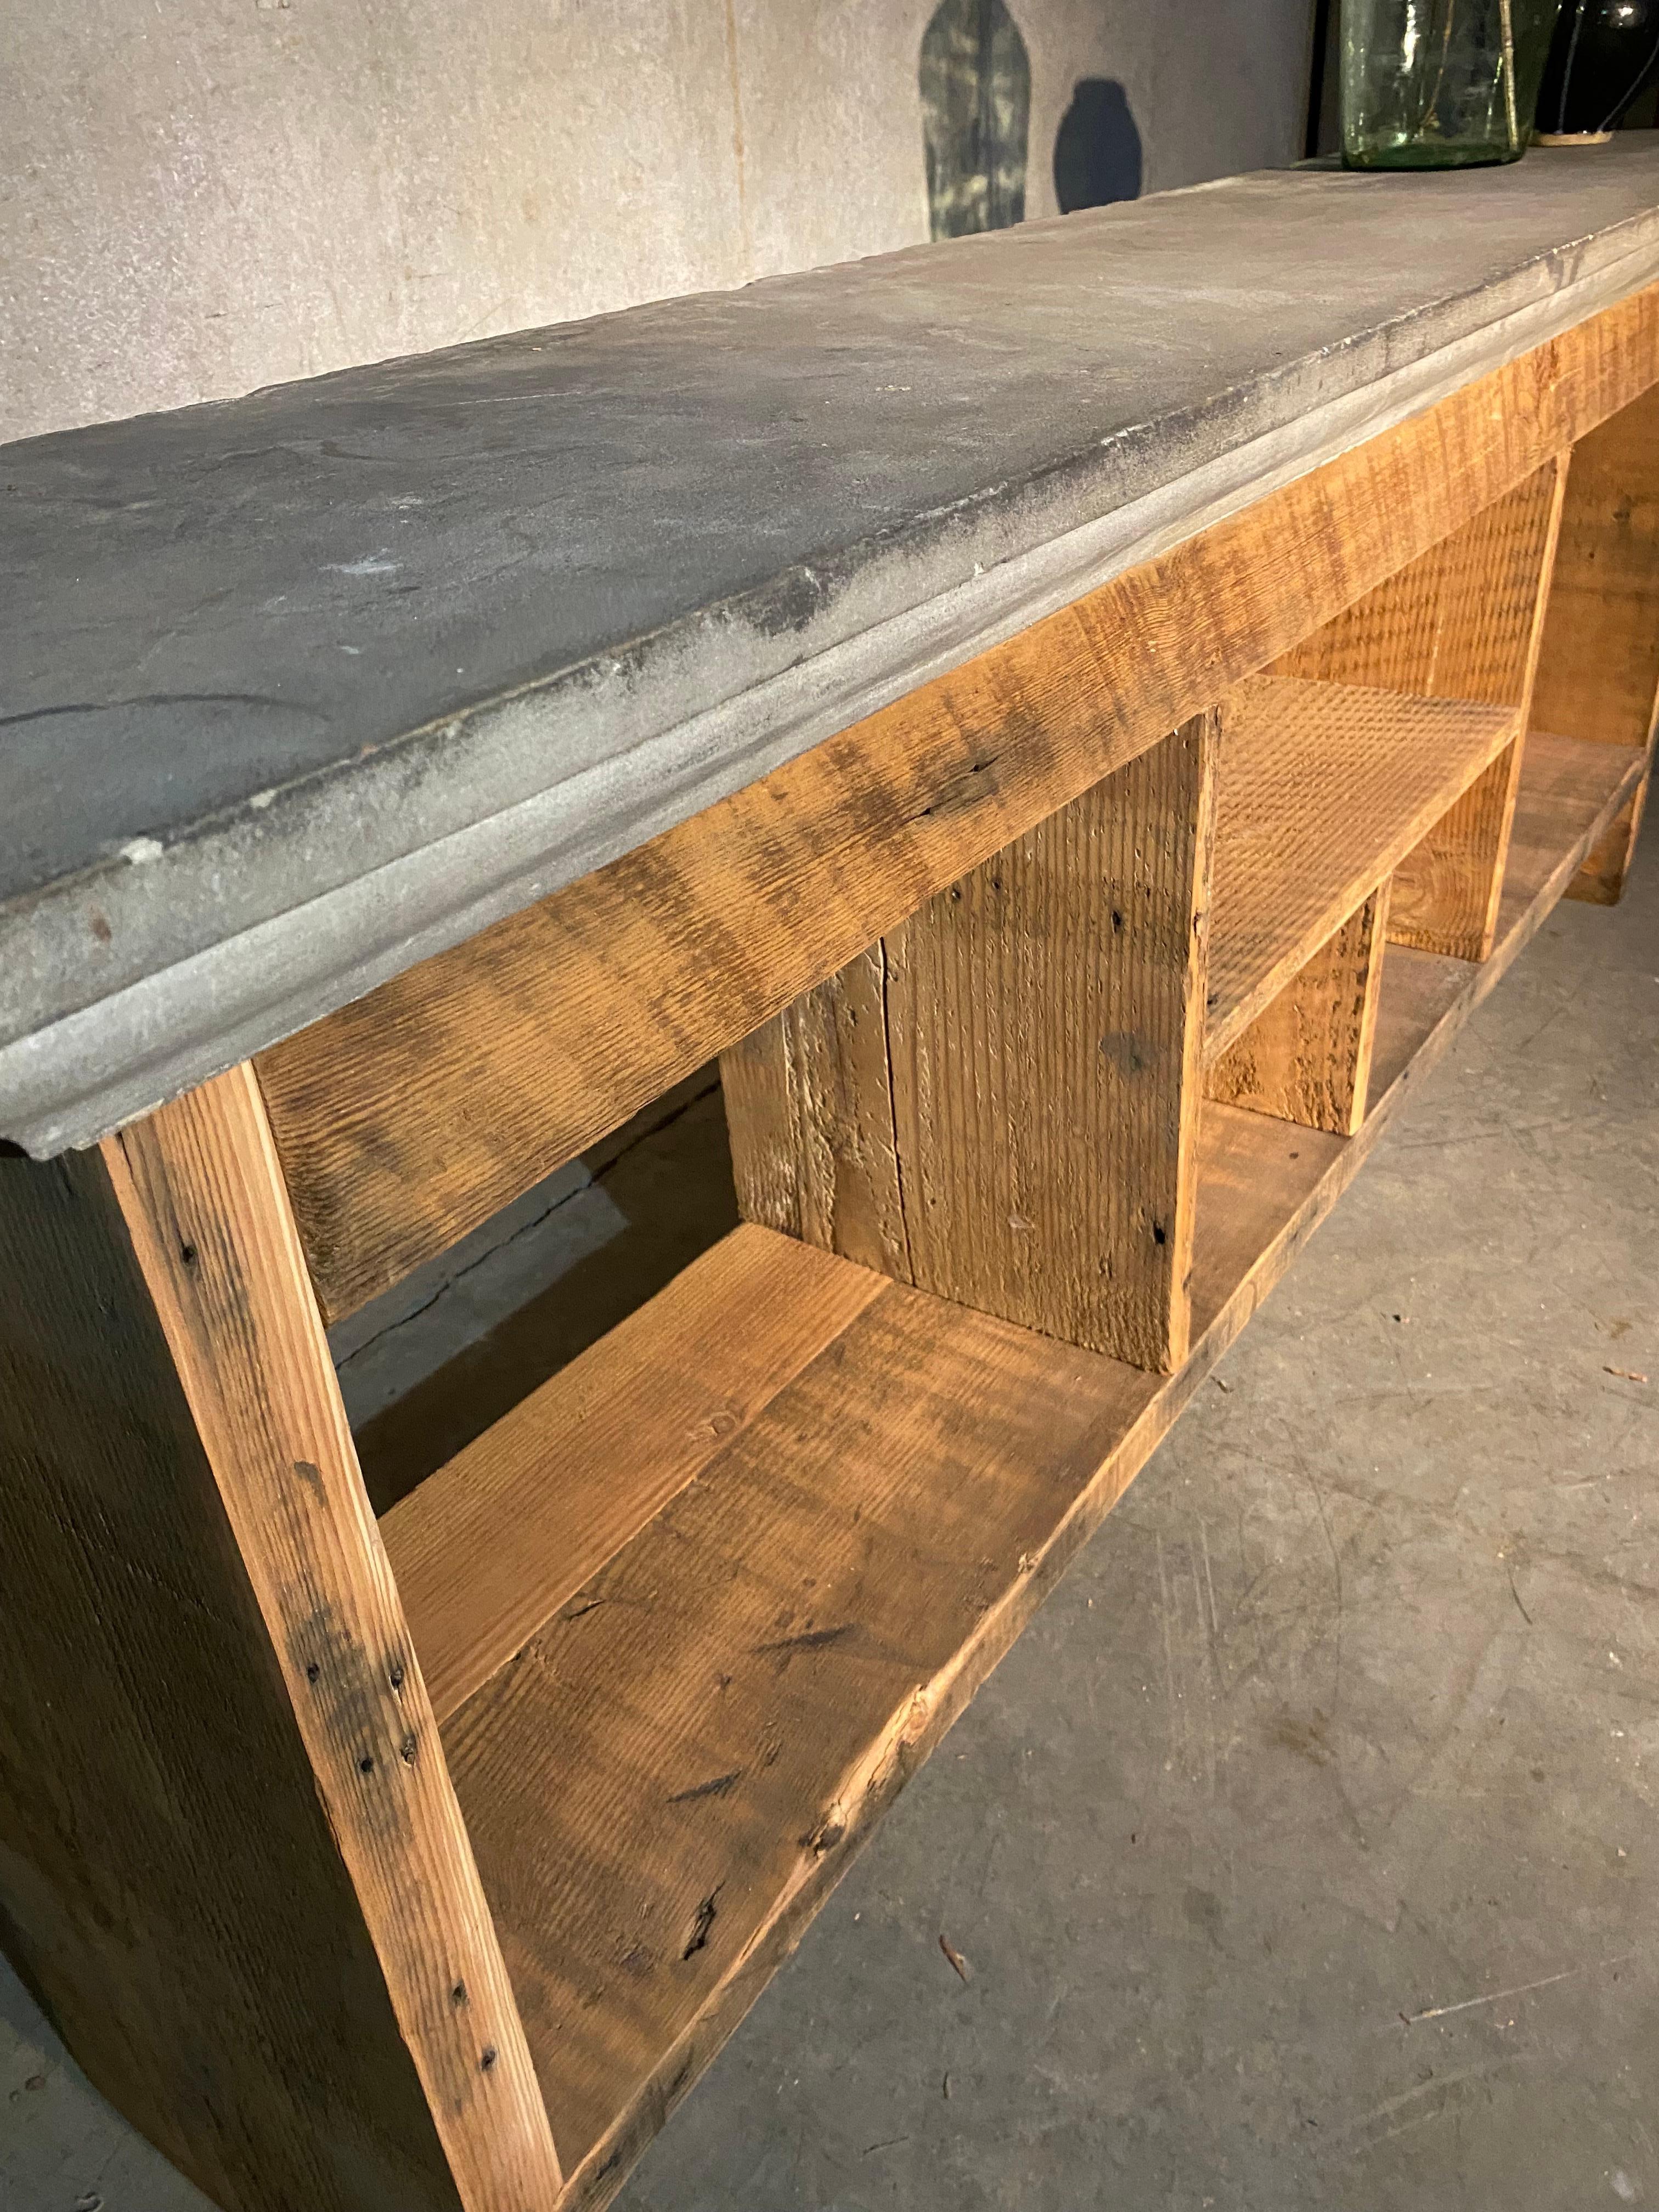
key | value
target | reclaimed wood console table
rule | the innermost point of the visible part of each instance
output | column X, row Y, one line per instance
column 1073, row 718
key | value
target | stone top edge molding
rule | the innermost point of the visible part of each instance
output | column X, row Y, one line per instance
column 298, row 689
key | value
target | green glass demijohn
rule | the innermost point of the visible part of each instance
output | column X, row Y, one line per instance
column 1440, row 84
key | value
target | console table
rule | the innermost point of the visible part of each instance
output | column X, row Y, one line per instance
column 1074, row 718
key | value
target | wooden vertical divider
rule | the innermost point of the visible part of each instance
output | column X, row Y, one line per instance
column 240, row 1751
column 1598, row 672
column 1307, row 1057
column 997, row 1102
column 1463, row 621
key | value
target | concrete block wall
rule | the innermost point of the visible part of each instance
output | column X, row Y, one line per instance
column 199, row 197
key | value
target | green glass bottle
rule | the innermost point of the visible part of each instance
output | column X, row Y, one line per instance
column 1440, row 84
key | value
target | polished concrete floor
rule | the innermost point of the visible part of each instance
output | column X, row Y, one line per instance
column 1304, row 1852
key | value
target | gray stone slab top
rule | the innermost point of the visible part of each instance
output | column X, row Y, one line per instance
column 298, row 689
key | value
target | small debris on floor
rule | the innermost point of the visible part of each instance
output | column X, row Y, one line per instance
column 1625, row 1374
column 956, row 1958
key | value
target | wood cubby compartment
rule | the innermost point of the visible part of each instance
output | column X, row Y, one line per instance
column 1324, row 789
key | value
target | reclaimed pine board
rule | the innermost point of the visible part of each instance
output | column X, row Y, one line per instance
column 1598, row 672
column 1307, row 1056
column 199, row 1185
column 1598, row 675
column 915, row 1095
column 1601, row 879
column 169, row 1886
column 405, row 1120
column 1323, row 788
column 580, row 1465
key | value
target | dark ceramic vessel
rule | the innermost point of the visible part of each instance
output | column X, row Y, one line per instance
column 1602, row 54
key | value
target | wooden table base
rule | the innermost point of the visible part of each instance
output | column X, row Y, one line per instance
column 362, row 1865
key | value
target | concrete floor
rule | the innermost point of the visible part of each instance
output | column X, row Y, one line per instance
column 1301, row 1852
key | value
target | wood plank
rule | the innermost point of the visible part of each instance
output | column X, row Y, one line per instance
column 584, row 1462
column 1457, row 623
column 1599, row 674
column 903, row 1114
column 1446, row 893
column 756, row 1673
column 808, row 1109
column 1307, row 1057
column 665, row 1787
column 1463, row 621
column 1601, row 879
column 169, row 1887
column 200, row 1189
column 407, row 1119
column 1324, row 788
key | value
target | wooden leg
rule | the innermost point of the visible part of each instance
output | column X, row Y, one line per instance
column 1463, row 621
column 231, row 1861
column 1601, row 879
column 1308, row 1057
column 998, row 1102
column 1598, row 674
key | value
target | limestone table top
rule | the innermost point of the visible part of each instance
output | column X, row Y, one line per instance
column 298, row 688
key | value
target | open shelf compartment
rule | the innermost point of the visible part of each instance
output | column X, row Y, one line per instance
column 1323, row 789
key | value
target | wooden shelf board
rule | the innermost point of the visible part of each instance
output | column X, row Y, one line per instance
column 1323, row 790
column 789, row 1517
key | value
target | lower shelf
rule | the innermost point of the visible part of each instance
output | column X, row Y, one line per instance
column 694, row 1613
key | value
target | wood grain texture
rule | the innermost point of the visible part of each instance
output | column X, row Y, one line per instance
column 1598, row 675
column 201, row 1194
column 1307, row 1056
column 583, row 1463
column 1461, row 621
column 1324, row 788
column 809, row 1108
column 999, row 1103
column 1446, row 893
column 663, row 1772
column 169, row 1884
column 1598, row 672
column 1464, row 621
column 1601, row 879
column 665, row 1785
column 406, row 1120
